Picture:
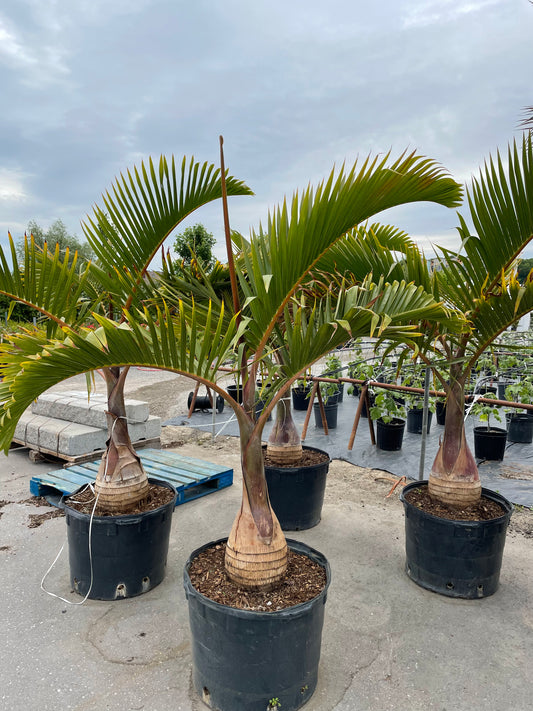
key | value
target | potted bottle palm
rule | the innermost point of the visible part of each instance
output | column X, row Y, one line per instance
column 480, row 281
column 195, row 340
column 69, row 298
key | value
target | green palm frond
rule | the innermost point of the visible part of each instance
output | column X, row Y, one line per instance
column 498, row 311
column 145, row 206
column 383, row 250
column 46, row 282
column 31, row 363
column 501, row 209
column 280, row 257
column 386, row 311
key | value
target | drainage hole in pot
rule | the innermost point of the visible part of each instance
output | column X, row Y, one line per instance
column 206, row 695
column 146, row 583
column 480, row 590
column 450, row 586
column 76, row 584
column 121, row 590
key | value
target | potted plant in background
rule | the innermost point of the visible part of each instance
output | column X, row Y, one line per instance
column 480, row 281
column 330, row 402
column 69, row 298
column 363, row 370
column 415, row 404
column 300, row 392
column 334, row 370
column 519, row 424
column 489, row 442
column 389, row 415
column 228, row 672
column 508, row 364
column 486, row 371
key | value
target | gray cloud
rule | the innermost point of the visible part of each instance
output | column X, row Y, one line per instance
column 94, row 86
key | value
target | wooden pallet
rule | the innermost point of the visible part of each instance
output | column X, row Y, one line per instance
column 191, row 477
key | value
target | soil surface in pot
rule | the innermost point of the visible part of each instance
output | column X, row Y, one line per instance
column 484, row 510
column 157, row 496
column 303, row 581
column 309, row 458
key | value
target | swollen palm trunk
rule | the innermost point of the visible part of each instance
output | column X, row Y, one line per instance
column 121, row 481
column 250, row 562
column 454, row 477
column 284, row 445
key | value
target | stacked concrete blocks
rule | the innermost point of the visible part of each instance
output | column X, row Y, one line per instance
column 71, row 424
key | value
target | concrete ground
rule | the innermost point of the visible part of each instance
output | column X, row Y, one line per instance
column 387, row 643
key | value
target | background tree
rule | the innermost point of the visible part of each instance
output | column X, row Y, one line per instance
column 523, row 269
column 19, row 312
column 195, row 243
column 57, row 233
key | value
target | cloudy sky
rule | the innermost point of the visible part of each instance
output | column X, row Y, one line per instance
column 91, row 87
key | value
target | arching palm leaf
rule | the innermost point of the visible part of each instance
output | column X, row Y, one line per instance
column 142, row 209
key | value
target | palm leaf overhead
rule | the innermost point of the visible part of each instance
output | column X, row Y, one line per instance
column 46, row 281
column 143, row 208
column 33, row 363
column 380, row 249
column 501, row 210
column 280, row 257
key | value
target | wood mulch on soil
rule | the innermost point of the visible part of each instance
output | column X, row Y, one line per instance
column 83, row 502
column 309, row 458
column 303, row 581
column 485, row 510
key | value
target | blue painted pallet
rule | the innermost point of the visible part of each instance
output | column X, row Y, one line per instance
column 191, row 477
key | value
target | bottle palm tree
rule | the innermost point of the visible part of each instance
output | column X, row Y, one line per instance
column 195, row 339
column 479, row 280
column 125, row 238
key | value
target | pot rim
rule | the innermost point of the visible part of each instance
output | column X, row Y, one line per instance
column 122, row 518
column 498, row 431
column 293, row 611
column 306, row 466
column 489, row 493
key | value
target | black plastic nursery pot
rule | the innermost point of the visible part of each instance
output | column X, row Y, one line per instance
column 389, row 435
column 519, row 428
column 454, row 558
column 300, row 398
column 489, row 444
column 243, row 659
column 127, row 554
column 414, row 420
column 440, row 411
column 297, row 493
column 371, row 399
column 331, row 410
column 235, row 391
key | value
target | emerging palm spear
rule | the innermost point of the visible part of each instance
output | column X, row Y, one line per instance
column 194, row 339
